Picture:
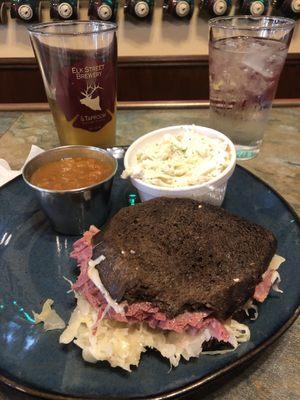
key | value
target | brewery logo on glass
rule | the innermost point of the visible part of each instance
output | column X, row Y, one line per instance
column 81, row 95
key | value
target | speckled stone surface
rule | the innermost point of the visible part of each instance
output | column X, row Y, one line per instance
column 7, row 119
column 275, row 375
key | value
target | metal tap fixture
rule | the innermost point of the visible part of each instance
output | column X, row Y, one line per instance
column 105, row 10
column 254, row 7
column 139, row 9
column 26, row 10
column 63, row 9
column 215, row 8
column 179, row 8
column 291, row 8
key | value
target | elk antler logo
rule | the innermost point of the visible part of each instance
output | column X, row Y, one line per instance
column 88, row 101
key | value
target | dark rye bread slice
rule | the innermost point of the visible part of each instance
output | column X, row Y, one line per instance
column 182, row 255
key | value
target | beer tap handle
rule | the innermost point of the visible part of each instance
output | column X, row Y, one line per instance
column 63, row 9
column 139, row 9
column 179, row 8
column 220, row 7
column 26, row 10
column 254, row 7
column 104, row 10
column 291, row 8
column 182, row 8
column 215, row 8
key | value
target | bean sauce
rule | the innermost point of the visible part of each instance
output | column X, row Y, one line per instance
column 72, row 173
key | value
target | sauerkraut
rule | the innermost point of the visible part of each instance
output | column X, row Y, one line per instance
column 274, row 265
column 49, row 317
column 122, row 345
column 180, row 160
column 264, row 287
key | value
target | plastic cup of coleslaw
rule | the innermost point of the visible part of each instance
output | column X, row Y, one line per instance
column 181, row 161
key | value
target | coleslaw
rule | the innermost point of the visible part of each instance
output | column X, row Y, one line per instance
column 181, row 160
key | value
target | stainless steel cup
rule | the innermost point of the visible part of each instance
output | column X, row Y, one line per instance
column 71, row 212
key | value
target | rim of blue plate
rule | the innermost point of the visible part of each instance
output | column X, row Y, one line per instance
column 199, row 383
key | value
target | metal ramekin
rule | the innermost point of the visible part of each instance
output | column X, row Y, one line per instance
column 71, row 212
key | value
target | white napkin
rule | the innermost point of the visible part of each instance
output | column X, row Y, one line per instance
column 7, row 174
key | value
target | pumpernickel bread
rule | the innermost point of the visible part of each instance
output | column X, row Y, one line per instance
column 182, row 255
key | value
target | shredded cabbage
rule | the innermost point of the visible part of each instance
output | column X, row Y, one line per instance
column 121, row 344
column 180, row 160
column 276, row 262
column 251, row 306
column 93, row 263
column 239, row 333
column 274, row 265
column 49, row 317
column 94, row 276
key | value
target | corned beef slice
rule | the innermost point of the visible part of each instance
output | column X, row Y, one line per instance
column 138, row 312
column 263, row 288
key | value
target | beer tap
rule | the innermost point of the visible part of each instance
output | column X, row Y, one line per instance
column 105, row 10
column 179, row 8
column 139, row 9
column 254, row 7
column 3, row 12
column 291, row 8
column 25, row 10
column 63, row 9
column 215, row 7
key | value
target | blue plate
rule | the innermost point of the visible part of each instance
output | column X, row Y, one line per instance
column 34, row 260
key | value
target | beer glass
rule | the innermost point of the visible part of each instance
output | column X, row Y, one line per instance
column 77, row 60
column 246, row 57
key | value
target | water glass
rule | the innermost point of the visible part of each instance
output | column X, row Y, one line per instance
column 246, row 57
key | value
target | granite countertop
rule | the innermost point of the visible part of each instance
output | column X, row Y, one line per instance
column 275, row 374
